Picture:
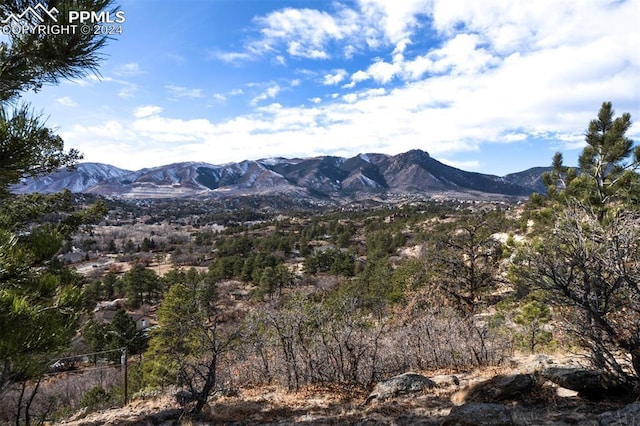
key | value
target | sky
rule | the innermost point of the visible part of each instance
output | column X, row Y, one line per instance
column 493, row 86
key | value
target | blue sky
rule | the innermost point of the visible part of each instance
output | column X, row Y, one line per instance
column 492, row 86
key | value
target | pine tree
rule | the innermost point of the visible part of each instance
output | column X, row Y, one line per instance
column 607, row 174
column 588, row 256
column 191, row 338
column 39, row 298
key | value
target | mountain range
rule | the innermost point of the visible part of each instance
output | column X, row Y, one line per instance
column 412, row 172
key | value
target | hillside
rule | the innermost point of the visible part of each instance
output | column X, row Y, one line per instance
column 413, row 172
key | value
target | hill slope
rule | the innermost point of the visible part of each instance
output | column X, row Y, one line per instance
column 412, row 172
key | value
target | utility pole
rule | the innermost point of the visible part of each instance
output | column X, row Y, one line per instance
column 123, row 363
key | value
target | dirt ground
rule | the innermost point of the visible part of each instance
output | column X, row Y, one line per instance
column 272, row 405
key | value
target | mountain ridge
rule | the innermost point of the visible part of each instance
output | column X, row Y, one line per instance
column 411, row 172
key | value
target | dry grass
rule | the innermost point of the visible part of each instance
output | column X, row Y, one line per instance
column 331, row 405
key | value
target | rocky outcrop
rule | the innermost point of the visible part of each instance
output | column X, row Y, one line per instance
column 479, row 414
column 592, row 384
column 498, row 388
column 407, row 383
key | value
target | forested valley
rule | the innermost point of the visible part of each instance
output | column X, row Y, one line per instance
column 201, row 301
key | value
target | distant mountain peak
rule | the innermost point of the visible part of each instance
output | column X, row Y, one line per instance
column 414, row 171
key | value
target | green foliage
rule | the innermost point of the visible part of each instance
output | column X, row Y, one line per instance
column 174, row 339
column 532, row 316
column 593, row 269
column 274, row 279
column 509, row 246
column 383, row 243
column 122, row 333
column 97, row 398
column 333, row 261
column 608, row 165
column 39, row 299
column 142, row 286
column 111, row 286
column 39, row 303
column 185, row 347
column 463, row 263
column 30, row 60
column 409, row 275
column 587, row 250
column 27, row 147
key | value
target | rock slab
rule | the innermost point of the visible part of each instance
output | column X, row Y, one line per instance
column 500, row 388
column 588, row 383
column 479, row 414
column 404, row 384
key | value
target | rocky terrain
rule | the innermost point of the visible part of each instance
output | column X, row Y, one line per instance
column 525, row 393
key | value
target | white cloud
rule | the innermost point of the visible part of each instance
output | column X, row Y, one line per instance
column 383, row 72
column 514, row 137
column 146, row 111
column 464, row 165
column 127, row 92
column 396, row 20
column 315, row 100
column 335, row 78
column 67, row 101
column 302, row 32
column 357, row 77
column 231, row 57
column 219, row 97
column 183, row 92
column 350, row 97
column 270, row 93
column 129, row 69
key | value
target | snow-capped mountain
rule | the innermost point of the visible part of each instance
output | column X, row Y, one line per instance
column 326, row 176
column 79, row 179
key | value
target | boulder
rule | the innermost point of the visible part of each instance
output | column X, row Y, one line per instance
column 534, row 363
column 479, row 414
column 629, row 415
column 591, row 384
column 403, row 384
column 498, row 388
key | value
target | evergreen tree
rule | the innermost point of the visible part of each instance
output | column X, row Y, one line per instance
column 463, row 263
column 124, row 334
column 39, row 297
column 608, row 165
column 191, row 337
column 588, row 256
column 142, row 285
